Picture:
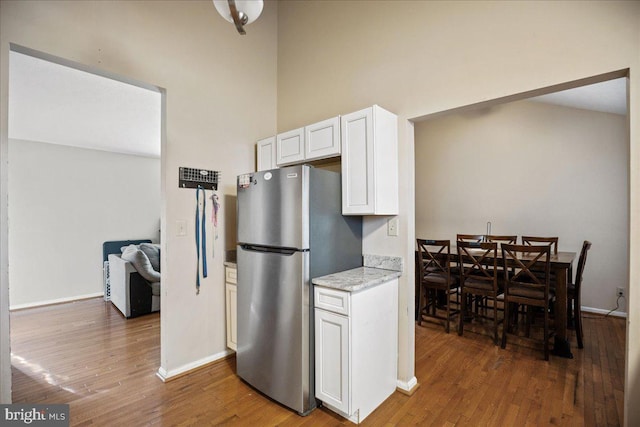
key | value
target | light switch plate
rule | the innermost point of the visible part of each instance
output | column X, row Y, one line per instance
column 392, row 226
column 181, row 227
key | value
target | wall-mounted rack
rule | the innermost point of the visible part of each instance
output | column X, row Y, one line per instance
column 192, row 178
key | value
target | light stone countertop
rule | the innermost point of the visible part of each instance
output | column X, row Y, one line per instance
column 356, row 279
column 230, row 264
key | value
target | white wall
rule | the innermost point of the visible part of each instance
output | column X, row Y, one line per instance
column 531, row 169
column 220, row 99
column 64, row 202
column 418, row 58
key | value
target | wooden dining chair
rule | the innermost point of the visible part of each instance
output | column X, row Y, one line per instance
column 434, row 261
column 470, row 238
column 573, row 294
column 524, row 286
column 477, row 263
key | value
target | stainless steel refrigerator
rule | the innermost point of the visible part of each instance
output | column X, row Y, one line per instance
column 290, row 230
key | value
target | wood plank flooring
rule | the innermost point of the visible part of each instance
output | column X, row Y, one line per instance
column 86, row 354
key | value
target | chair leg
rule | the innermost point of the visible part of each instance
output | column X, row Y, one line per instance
column 528, row 321
column 505, row 326
column 420, row 306
column 578, row 322
column 448, row 302
column 495, row 320
column 463, row 308
column 546, row 333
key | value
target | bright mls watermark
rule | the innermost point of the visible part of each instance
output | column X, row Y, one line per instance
column 34, row 415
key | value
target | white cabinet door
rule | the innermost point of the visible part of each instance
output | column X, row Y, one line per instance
column 266, row 153
column 357, row 163
column 332, row 360
column 323, row 139
column 231, row 297
column 290, row 147
column 369, row 162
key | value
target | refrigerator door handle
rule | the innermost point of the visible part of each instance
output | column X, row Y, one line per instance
column 261, row 248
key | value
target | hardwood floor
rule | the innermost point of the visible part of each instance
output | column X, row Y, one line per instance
column 86, row 354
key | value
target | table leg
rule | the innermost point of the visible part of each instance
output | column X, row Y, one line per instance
column 561, row 346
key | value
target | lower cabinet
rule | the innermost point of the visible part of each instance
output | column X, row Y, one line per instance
column 332, row 360
column 356, row 348
column 231, row 293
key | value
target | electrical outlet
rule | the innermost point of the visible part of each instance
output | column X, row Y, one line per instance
column 620, row 292
column 392, row 226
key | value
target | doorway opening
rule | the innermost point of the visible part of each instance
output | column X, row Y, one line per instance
column 85, row 167
column 486, row 157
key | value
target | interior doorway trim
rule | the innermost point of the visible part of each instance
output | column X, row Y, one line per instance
column 83, row 67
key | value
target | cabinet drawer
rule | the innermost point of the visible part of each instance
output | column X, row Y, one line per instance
column 332, row 300
column 231, row 275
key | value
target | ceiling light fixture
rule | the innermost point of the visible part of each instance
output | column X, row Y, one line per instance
column 240, row 12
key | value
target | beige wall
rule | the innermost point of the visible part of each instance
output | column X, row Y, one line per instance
column 220, row 98
column 531, row 169
column 417, row 58
column 414, row 58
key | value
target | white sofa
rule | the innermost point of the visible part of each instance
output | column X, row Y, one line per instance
column 134, row 286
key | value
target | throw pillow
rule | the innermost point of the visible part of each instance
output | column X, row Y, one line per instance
column 141, row 263
column 153, row 253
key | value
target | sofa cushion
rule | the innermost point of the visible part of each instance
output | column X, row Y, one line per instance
column 141, row 262
column 155, row 288
column 152, row 251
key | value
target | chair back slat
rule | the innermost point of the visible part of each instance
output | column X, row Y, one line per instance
column 470, row 238
column 586, row 245
column 509, row 239
column 536, row 240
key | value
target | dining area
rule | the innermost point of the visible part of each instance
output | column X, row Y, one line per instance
column 503, row 286
column 532, row 171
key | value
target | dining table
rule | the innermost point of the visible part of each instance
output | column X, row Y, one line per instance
column 560, row 264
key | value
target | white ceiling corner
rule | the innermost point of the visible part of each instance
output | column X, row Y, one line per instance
column 53, row 103
column 608, row 97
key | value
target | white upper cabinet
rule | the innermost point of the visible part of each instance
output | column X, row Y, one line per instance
column 290, row 147
column 323, row 139
column 266, row 153
column 317, row 141
column 369, row 141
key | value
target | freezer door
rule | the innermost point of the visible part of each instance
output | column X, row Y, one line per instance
column 273, row 207
column 274, row 326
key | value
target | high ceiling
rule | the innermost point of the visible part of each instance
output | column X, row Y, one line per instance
column 54, row 103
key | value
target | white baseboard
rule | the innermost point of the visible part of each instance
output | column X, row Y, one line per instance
column 407, row 386
column 55, row 301
column 601, row 311
column 166, row 375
